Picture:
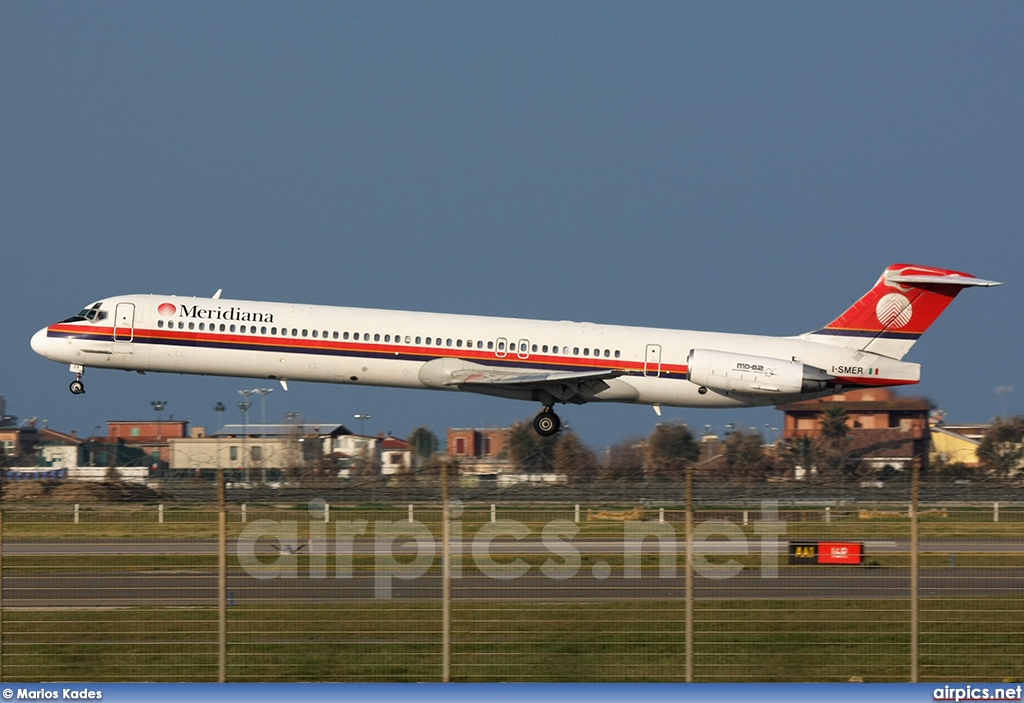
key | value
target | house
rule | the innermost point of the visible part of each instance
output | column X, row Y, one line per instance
column 957, row 444
column 395, row 456
column 480, row 450
column 884, row 429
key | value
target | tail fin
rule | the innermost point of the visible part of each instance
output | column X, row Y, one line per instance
column 891, row 316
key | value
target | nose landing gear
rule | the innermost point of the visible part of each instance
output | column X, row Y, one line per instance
column 77, row 387
column 546, row 423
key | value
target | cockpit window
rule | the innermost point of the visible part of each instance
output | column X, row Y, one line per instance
column 90, row 314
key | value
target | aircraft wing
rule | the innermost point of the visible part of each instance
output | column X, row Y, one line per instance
column 564, row 386
column 527, row 379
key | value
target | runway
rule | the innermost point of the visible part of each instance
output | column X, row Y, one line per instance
column 183, row 588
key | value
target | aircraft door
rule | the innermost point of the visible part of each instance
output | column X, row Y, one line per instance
column 524, row 349
column 124, row 322
column 501, row 348
column 652, row 360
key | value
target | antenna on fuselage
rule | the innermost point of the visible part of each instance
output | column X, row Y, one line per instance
column 216, row 295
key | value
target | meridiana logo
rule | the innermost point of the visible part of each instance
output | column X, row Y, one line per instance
column 167, row 310
column 894, row 310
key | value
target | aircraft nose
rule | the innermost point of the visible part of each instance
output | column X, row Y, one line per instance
column 39, row 342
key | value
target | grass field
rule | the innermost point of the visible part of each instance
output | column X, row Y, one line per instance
column 961, row 639
column 632, row 641
column 100, row 521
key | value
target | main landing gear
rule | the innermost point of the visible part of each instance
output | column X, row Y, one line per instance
column 77, row 387
column 546, row 423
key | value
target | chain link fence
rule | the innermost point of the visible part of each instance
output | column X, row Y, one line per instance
column 785, row 583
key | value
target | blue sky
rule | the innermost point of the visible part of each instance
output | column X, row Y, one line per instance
column 746, row 167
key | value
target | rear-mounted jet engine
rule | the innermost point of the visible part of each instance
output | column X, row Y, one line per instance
column 727, row 372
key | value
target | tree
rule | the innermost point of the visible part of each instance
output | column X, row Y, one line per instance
column 530, row 452
column 625, row 461
column 745, row 457
column 833, row 451
column 424, row 445
column 1002, row 448
column 802, row 456
column 670, row 448
column 575, row 459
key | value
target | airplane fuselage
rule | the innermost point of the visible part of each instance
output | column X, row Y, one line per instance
column 535, row 360
column 402, row 349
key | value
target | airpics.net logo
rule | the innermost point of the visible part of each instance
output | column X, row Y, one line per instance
column 894, row 310
column 167, row 310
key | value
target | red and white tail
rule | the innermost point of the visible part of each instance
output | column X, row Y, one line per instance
column 891, row 316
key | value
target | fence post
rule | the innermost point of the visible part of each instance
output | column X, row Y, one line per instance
column 995, row 511
column 160, row 513
column 576, row 514
column 689, row 572
column 76, row 513
column 914, row 625
column 828, row 514
column 410, row 512
column 494, row 513
column 1, row 577
column 243, row 512
column 446, row 586
column 222, row 579
column 327, row 511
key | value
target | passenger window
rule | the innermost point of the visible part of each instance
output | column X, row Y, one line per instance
column 191, row 325
column 231, row 328
column 335, row 334
column 345, row 336
column 512, row 346
column 576, row 351
column 316, row 333
column 501, row 346
column 295, row 332
column 617, row 354
column 273, row 330
column 449, row 343
column 428, row 340
column 479, row 344
column 458, row 342
column 407, row 338
column 418, row 340
column 159, row 323
column 606, row 353
column 376, row 337
column 222, row 327
column 534, row 348
column 586, row 351
column 387, row 338
column 253, row 329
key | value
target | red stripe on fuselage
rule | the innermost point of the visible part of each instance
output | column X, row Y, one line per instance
column 191, row 338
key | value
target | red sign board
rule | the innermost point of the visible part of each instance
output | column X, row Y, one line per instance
column 840, row 552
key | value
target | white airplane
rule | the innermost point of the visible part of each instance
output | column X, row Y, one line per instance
column 535, row 360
